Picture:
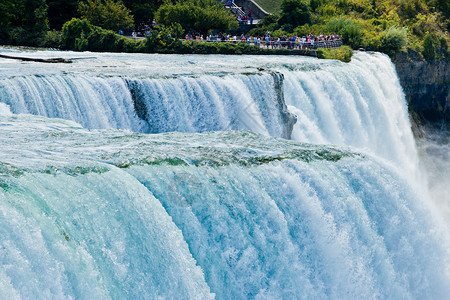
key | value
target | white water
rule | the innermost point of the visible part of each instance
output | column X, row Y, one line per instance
column 434, row 151
column 361, row 105
column 114, row 214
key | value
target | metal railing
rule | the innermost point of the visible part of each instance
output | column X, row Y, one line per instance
column 236, row 10
column 275, row 44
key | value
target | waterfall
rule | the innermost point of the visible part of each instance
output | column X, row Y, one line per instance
column 343, row 104
column 278, row 177
column 204, row 103
column 361, row 105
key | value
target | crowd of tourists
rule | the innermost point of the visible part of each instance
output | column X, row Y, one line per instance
column 309, row 41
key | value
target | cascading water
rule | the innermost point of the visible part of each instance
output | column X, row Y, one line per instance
column 361, row 105
column 334, row 103
column 187, row 104
column 114, row 214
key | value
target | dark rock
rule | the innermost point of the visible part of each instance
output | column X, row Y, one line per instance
column 427, row 87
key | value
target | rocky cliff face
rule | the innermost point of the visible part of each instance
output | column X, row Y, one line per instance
column 427, row 88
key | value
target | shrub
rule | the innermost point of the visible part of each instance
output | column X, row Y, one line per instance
column 443, row 48
column 72, row 30
column 428, row 52
column 258, row 31
column 80, row 35
column 314, row 4
column 51, row 40
column 343, row 53
column 165, row 39
column 393, row 40
column 371, row 40
column 219, row 48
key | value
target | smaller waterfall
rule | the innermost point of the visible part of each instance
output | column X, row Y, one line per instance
column 212, row 103
column 186, row 104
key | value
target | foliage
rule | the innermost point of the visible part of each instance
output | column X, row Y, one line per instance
column 143, row 10
column 314, row 4
column 257, row 31
column 429, row 53
column 23, row 22
column 61, row 11
column 350, row 30
column 295, row 13
column 443, row 48
column 394, row 40
column 434, row 48
column 6, row 15
column 52, row 39
column 219, row 48
column 408, row 9
column 343, row 53
column 307, row 29
column 165, row 39
column 370, row 23
column 269, row 23
column 196, row 15
column 108, row 14
column 73, row 30
column 382, row 25
column 80, row 35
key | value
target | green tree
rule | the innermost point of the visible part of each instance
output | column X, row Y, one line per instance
column 314, row 4
column 164, row 39
column 429, row 52
column 295, row 13
column 143, row 10
column 25, row 20
column 6, row 7
column 61, row 11
column 197, row 15
column 108, row 14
